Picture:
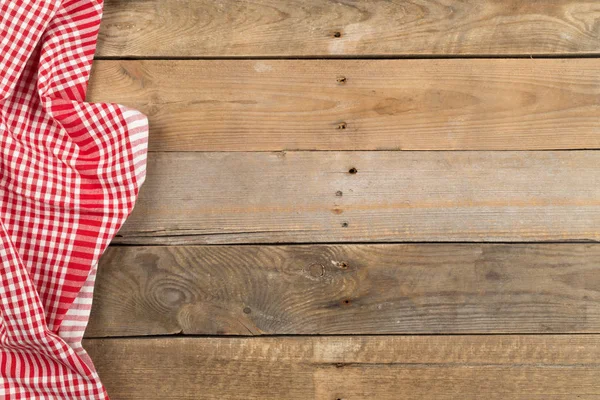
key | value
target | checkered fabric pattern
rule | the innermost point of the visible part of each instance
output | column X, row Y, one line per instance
column 70, row 172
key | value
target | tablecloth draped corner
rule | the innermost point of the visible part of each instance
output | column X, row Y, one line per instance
column 70, row 172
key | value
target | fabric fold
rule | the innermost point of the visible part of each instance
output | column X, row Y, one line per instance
column 70, row 172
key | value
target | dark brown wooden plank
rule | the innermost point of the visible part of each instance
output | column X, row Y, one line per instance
column 544, row 367
column 309, row 197
column 347, row 289
column 207, row 28
column 240, row 105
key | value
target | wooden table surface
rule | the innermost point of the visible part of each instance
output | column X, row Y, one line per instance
column 355, row 200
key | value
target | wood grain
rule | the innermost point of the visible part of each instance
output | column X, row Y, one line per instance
column 451, row 104
column 309, row 197
column 293, row 28
column 329, row 368
column 347, row 289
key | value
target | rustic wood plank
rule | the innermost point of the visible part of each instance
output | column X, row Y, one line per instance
column 292, row 28
column 325, row 368
column 452, row 104
column 347, row 289
column 309, row 197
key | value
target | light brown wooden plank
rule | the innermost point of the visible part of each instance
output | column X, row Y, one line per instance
column 327, row 368
column 240, row 105
column 310, row 197
column 347, row 289
column 207, row 28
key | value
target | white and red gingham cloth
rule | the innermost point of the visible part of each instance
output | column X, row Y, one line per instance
column 69, row 176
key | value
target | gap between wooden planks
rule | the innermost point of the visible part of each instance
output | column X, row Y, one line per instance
column 347, row 289
column 495, row 367
column 292, row 28
column 308, row 197
column 260, row 105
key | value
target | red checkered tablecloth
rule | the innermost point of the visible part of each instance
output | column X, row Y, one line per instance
column 69, row 176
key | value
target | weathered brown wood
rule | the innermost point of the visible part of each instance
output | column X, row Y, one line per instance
column 347, row 289
column 208, row 28
column 452, row 104
column 328, row 368
column 309, row 197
